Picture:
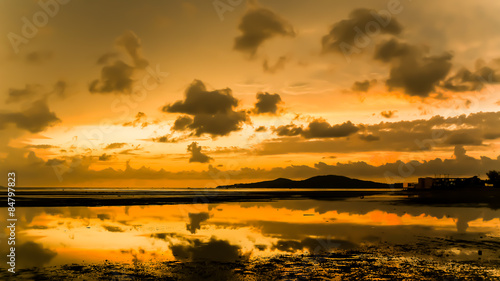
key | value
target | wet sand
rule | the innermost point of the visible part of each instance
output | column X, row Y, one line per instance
column 399, row 262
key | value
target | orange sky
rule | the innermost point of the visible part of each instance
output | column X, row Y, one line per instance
column 202, row 93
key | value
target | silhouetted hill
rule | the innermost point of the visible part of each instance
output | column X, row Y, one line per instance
column 329, row 181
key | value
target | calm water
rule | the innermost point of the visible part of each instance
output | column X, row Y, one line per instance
column 229, row 232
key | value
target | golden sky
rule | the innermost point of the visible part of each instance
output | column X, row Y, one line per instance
column 205, row 93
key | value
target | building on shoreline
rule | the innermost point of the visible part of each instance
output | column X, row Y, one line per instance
column 448, row 183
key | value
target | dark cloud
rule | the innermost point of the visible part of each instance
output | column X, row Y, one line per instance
column 261, row 129
column 36, row 118
column 115, row 145
column 466, row 80
column 288, row 130
column 166, row 139
column 200, row 101
column 267, row 103
column 195, row 220
column 117, row 75
column 105, row 157
column 412, row 69
column 277, row 66
column 318, row 128
column 363, row 86
column 257, row 26
column 37, row 57
column 346, row 33
column 321, row 129
column 213, row 111
column 213, row 250
column 197, row 155
column 388, row 113
column 182, row 123
column 41, row 146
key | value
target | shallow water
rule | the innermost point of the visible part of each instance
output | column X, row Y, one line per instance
column 291, row 237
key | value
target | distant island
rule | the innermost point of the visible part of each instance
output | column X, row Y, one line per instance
column 327, row 181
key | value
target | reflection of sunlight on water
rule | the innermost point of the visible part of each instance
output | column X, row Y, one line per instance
column 169, row 232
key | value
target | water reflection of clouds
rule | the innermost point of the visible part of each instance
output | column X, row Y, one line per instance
column 238, row 229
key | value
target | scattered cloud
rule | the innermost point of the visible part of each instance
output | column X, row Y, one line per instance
column 115, row 145
column 343, row 35
column 466, row 80
column 267, row 103
column 257, row 26
column 117, row 75
column 318, row 128
column 412, row 69
column 388, row 113
column 261, row 129
column 197, row 155
column 138, row 121
column 213, row 111
column 36, row 118
column 105, row 157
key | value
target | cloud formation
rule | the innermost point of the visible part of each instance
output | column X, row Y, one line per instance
column 115, row 145
column 267, row 103
column 318, row 128
column 466, row 80
column 36, row 118
column 213, row 111
column 412, row 69
column 346, row 33
column 197, row 155
column 257, row 26
column 117, row 75
column 418, row 136
column 388, row 113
